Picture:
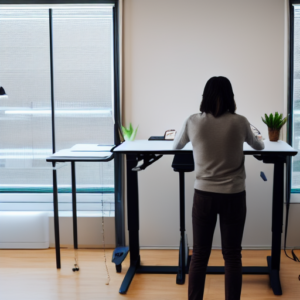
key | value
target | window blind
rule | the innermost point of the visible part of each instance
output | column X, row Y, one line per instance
column 83, row 93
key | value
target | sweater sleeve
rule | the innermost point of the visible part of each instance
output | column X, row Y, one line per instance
column 254, row 141
column 182, row 137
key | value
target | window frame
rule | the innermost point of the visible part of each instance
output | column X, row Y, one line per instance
column 290, row 121
column 118, row 159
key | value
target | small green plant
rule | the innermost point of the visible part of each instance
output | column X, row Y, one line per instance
column 129, row 133
column 274, row 122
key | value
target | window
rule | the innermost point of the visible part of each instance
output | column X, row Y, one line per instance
column 83, row 80
column 293, row 137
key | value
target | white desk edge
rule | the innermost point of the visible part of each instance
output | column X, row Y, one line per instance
column 152, row 146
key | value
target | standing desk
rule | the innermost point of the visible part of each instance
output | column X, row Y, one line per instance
column 150, row 151
column 67, row 155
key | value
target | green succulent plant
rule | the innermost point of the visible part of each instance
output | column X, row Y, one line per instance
column 129, row 133
column 274, row 121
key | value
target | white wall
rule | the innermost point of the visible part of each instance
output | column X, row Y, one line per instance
column 89, row 231
column 171, row 48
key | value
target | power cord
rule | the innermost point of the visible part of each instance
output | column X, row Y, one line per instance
column 295, row 257
column 76, row 266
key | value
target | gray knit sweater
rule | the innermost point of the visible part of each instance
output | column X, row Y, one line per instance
column 218, row 150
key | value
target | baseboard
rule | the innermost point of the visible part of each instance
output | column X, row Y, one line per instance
column 42, row 245
column 63, row 246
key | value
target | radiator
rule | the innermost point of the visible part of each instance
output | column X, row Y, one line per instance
column 24, row 230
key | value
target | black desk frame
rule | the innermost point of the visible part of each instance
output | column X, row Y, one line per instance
column 273, row 261
column 55, row 159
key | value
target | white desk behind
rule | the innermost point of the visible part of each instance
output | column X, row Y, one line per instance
column 80, row 153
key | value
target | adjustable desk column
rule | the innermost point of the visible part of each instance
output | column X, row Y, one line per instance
column 277, row 223
column 133, row 221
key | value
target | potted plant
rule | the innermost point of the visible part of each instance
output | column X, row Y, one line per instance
column 129, row 133
column 274, row 123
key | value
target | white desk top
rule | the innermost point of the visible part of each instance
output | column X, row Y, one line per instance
column 165, row 147
column 69, row 155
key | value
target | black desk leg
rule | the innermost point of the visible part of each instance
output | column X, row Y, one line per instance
column 277, row 219
column 183, row 252
column 133, row 221
column 56, row 220
column 74, row 205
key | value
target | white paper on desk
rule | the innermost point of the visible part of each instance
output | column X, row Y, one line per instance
column 88, row 154
column 91, row 148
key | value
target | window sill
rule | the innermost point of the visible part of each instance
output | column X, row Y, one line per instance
column 295, row 198
column 66, row 214
column 89, row 203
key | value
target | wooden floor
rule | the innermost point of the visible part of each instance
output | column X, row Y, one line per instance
column 31, row 274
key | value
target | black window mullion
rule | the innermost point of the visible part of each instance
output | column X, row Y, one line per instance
column 290, row 102
column 52, row 80
column 118, row 158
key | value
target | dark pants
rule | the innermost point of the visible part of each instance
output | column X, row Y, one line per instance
column 232, row 211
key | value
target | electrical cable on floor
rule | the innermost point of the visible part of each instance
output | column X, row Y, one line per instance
column 295, row 257
column 76, row 266
column 103, row 237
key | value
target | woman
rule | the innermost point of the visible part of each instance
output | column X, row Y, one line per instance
column 217, row 135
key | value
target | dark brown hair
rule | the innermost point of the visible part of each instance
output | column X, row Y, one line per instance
column 218, row 97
